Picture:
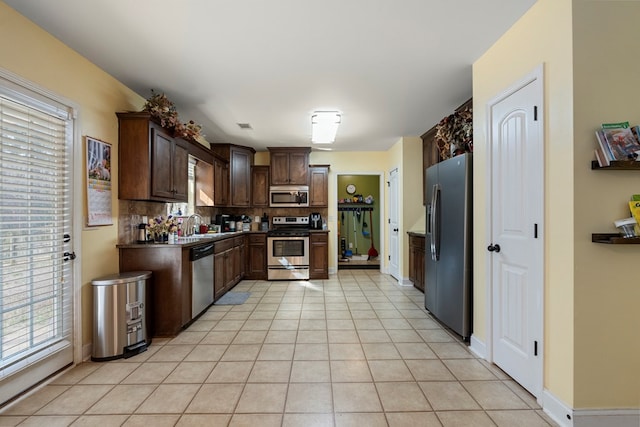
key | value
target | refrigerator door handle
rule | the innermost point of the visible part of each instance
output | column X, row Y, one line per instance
column 435, row 234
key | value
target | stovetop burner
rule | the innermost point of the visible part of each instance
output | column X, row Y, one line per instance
column 289, row 226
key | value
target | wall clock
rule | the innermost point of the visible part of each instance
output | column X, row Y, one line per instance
column 351, row 189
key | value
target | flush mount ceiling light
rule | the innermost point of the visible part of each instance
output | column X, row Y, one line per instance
column 324, row 125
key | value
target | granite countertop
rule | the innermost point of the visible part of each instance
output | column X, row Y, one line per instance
column 200, row 239
column 418, row 233
column 190, row 241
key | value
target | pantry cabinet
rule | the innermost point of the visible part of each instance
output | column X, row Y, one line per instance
column 152, row 163
column 289, row 166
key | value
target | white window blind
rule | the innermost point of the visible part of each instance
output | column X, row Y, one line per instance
column 35, row 219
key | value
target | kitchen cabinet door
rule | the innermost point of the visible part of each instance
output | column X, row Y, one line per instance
column 204, row 183
column 257, row 257
column 152, row 163
column 260, row 186
column 240, row 182
column 318, row 256
column 319, row 186
column 416, row 260
column 220, row 183
column 180, row 170
column 289, row 166
column 219, row 274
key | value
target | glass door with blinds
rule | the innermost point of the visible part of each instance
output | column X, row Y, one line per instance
column 36, row 289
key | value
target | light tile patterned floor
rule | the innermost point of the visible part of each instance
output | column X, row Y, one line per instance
column 356, row 350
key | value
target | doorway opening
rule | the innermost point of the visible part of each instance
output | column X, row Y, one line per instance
column 359, row 221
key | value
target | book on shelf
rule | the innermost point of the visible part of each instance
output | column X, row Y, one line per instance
column 621, row 142
column 634, row 207
column 603, row 160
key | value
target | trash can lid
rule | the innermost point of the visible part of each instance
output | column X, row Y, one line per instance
column 124, row 277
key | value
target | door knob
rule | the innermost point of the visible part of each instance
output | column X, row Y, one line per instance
column 395, row 229
column 493, row 248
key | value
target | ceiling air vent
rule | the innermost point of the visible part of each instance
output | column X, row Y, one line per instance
column 244, row 126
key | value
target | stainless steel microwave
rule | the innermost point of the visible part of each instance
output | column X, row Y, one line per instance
column 288, row 196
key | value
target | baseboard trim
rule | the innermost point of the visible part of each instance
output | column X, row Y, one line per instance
column 478, row 347
column 556, row 409
column 86, row 352
column 606, row 417
column 405, row 282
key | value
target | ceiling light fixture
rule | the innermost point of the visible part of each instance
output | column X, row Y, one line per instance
column 324, row 125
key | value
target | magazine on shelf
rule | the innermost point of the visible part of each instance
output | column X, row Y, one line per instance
column 621, row 142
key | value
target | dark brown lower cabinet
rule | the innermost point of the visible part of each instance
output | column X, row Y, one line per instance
column 257, row 256
column 416, row 260
column 228, row 264
column 169, row 297
column 319, row 256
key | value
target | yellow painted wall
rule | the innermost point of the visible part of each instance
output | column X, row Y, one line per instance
column 33, row 54
column 413, row 211
column 542, row 36
column 343, row 162
column 606, row 297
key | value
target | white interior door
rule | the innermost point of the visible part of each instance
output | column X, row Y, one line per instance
column 393, row 225
column 517, row 197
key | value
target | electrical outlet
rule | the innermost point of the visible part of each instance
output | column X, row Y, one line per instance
column 350, row 245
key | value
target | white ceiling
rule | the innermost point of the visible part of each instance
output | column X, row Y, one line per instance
column 393, row 68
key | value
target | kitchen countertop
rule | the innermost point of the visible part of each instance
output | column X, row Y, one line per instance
column 190, row 241
column 416, row 233
column 194, row 241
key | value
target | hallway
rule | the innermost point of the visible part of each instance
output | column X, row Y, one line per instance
column 356, row 350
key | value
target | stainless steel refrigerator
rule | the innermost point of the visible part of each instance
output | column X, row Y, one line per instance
column 448, row 258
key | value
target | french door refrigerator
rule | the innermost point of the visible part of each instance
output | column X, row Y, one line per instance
column 448, row 258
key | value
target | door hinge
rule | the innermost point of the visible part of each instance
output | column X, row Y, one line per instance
column 535, row 113
column 535, row 348
column 535, row 231
column 388, row 183
column 389, row 220
column 389, row 257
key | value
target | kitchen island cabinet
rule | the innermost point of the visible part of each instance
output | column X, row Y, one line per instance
column 153, row 165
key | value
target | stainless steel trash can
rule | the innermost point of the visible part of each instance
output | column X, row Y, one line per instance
column 120, row 315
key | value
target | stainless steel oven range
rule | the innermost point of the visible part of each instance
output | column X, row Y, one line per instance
column 288, row 248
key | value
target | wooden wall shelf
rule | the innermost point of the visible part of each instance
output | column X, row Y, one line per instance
column 348, row 207
column 617, row 165
column 614, row 239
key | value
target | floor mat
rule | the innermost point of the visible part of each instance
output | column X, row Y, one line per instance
column 233, row 298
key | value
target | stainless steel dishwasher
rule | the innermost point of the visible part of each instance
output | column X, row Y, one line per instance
column 201, row 278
